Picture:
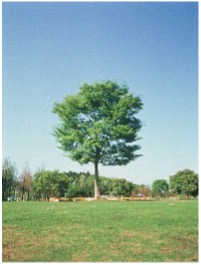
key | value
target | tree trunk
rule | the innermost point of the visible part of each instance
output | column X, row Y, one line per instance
column 96, row 182
column 22, row 193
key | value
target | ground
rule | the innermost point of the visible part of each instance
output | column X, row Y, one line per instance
column 156, row 231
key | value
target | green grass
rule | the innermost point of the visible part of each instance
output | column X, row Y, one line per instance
column 157, row 231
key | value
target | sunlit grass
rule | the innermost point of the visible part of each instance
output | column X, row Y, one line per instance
column 162, row 231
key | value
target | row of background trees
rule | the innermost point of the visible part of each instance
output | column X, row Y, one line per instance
column 45, row 184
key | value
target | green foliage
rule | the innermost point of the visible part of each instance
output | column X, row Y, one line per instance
column 80, row 184
column 116, row 187
column 185, row 182
column 48, row 184
column 160, row 186
column 73, row 191
column 86, row 185
column 9, row 179
column 99, row 125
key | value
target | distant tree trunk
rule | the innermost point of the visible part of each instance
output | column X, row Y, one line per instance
column 96, row 182
column 22, row 193
column 4, row 195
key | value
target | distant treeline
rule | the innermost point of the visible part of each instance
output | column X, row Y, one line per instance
column 45, row 184
column 70, row 184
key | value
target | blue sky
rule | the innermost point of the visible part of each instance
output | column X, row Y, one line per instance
column 50, row 49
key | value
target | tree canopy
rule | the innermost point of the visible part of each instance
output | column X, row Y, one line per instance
column 8, row 179
column 99, row 125
column 160, row 186
column 48, row 184
column 185, row 182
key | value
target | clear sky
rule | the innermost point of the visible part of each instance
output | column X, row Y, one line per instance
column 50, row 49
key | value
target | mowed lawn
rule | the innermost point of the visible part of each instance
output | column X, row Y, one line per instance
column 146, row 231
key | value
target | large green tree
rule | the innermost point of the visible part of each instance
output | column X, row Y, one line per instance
column 185, row 182
column 99, row 125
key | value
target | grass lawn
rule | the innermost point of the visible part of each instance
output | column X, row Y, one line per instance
column 146, row 231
